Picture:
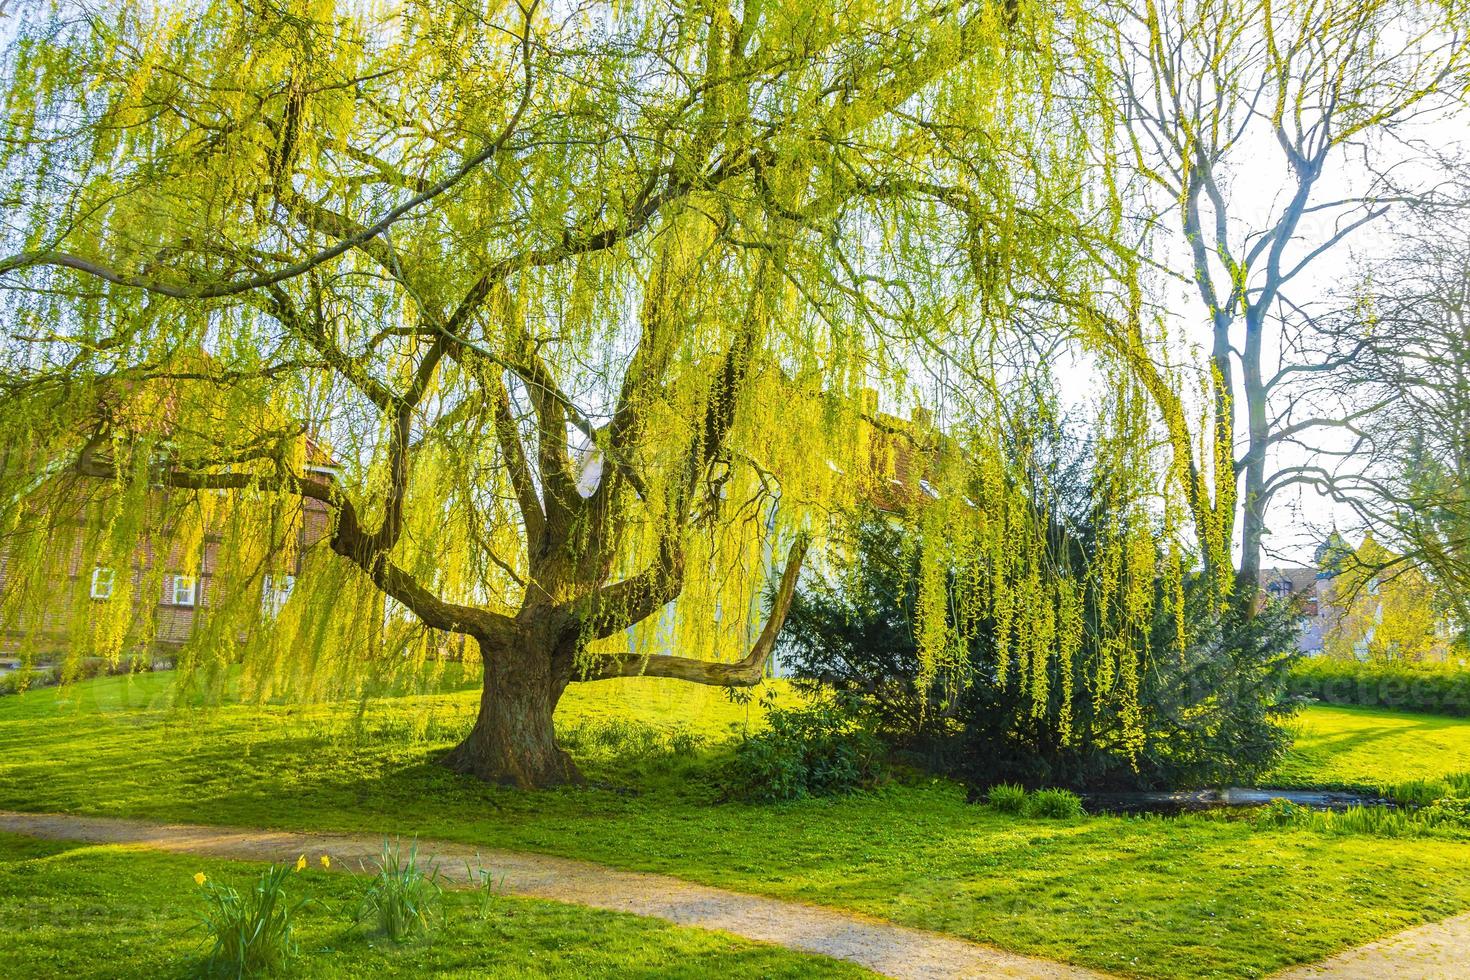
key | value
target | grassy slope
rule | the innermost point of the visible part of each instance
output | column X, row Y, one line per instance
column 1190, row 897
column 1370, row 746
column 77, row 911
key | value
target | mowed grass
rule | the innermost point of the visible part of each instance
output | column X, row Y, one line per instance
column 1164, row 898
column 71, row 910
column 1368, row 747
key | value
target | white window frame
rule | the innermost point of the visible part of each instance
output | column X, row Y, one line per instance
column 184, row 590
column 103, row 578
column 275, row 590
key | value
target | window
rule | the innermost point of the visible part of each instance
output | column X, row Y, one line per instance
column 274, row 592
column 182, row 592
column 101, row 582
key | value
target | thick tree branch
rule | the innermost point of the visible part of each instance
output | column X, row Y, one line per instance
column 746, row 672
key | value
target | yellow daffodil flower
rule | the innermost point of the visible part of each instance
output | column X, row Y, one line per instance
column 326, row 861
column 301, row 863
column 199, row 878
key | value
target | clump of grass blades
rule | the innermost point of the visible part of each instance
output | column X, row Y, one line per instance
column 1376, row 821
column 488, row 888
column 1053, row 804
column 1006, row 798
column 251, row 933
column 1446, row 815
column 403, row 898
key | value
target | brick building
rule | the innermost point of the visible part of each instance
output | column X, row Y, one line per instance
column 176, row 593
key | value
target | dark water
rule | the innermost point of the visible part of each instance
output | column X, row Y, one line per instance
column 1194, row 801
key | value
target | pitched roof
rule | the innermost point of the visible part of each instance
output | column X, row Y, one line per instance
column 1297, row 578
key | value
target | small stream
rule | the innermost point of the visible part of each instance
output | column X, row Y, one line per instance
column 1236, row 797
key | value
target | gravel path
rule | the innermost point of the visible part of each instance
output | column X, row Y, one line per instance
column 880, row 946
column 1435, row 951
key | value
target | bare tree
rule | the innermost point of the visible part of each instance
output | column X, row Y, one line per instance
column 1221, row 104
column 1411, row 332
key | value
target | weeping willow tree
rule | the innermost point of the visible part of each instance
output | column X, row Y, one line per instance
column 577, row 297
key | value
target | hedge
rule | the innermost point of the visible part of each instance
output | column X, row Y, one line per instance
column 1442, row 689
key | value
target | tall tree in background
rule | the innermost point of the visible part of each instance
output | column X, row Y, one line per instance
column 1389, row 609
column 574, row 293
column 1413, row 328
column 1219, row 100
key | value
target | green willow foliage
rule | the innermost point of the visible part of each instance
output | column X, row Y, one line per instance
column 992, row 561
column 581, row 297
column 1054, row 587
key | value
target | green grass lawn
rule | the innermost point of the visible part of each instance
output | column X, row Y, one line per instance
column 71, row 910
column 1371, row 746
column 1181, row 897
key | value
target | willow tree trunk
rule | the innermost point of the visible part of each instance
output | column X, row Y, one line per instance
column 513, row 741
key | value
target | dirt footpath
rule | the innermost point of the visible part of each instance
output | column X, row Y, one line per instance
column 889, row 949
column 1436, row 951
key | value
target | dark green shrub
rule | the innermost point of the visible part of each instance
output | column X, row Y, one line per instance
column 822, row 749
column 1436, row 688
column 1209, row 712
column 1214, row 712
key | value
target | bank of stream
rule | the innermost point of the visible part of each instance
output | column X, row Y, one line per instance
column 1235, row 797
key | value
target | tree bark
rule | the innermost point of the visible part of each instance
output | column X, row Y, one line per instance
column 513, row 741
column 1253, row 496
